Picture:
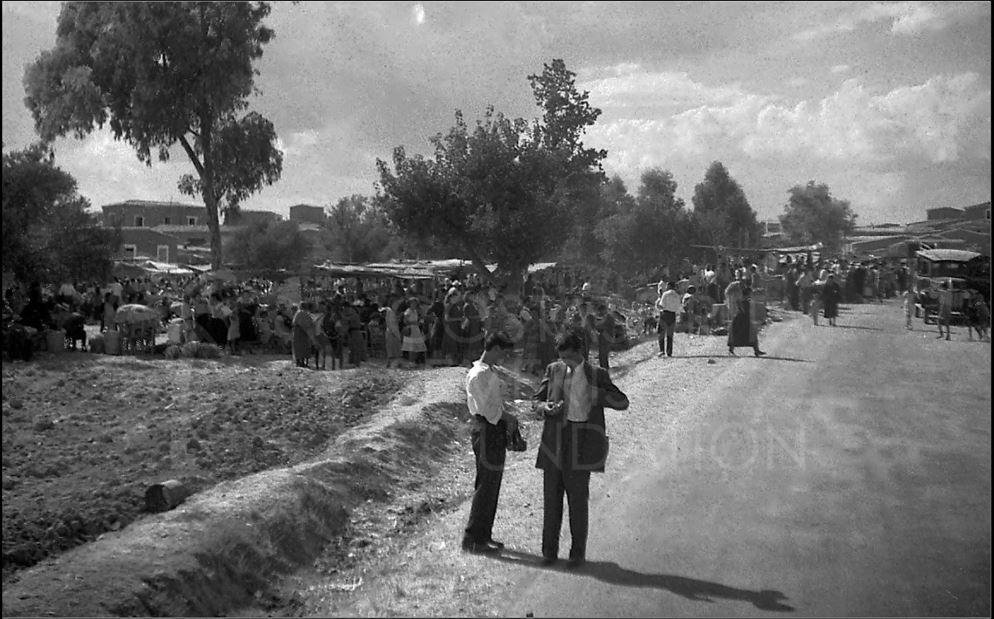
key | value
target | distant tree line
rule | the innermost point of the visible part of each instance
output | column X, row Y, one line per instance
column 497, row 191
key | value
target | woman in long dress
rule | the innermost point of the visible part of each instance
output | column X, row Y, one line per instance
column 744, row 332
column 413, row 346
column 392, row 337
column 303, row 334
column 830, row 296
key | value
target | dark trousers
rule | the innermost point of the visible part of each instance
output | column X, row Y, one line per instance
column 667, row 325
column 576, row 486
column 489, row 449
column 603, row 352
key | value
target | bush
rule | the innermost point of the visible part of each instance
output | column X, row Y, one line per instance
column 208, row 351
column 172, row 352
column 189, row 350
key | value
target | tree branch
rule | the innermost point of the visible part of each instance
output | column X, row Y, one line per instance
column 192, row 155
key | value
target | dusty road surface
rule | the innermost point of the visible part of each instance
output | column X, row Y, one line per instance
column 846, row 474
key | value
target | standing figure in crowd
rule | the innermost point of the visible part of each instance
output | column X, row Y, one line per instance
column 572, row 398
column 979, row 316
column 804, row 284
column 817, row 301
column 436, row 326
column 234, row 328
column 909, row 307
column 743, row 331
column 356, row 339
column 472, row 329
column 945, row 308
column 392, row 337
column 831, row 294
column 605, row 326
column 452, row 318
column 491, row 426
column 413, row 345
column 668, row 304
column 303, row 334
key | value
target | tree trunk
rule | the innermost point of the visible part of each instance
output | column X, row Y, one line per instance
column 215, row 228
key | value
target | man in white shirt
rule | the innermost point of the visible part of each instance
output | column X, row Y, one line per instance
column 668, row 304
column 492, row 424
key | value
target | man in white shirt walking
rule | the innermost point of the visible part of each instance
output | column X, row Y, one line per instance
column 668, row 304
column 491, row 426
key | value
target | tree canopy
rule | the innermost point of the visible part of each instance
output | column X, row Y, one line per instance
column 161, row 74
column 270, row 245
column 649, row 231
column 722, row 212
column 812, row 215
column 47, row 233
column 359, row 231
column 502, row 191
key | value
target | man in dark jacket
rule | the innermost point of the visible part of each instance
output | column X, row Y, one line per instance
column 605, row 325
column 572, row 397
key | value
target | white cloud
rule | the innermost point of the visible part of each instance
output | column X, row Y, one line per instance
column 861, row 141
column 418, row 11
column 936, row 120
column 907, row 18
column 629, row 86
column 840, row 68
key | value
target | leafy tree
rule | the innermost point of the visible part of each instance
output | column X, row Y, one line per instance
column 47, row 233
column 589, row 209
column 270, row 245
column 812, row 215
column 722, row 212
column 359, row 231
column 648, row 231
column 162, row 73
column 503, row 191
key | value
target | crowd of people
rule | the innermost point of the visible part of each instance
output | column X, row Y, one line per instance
column 421, row 323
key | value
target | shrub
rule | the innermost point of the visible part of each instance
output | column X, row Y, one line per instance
column 172, row 352
column 208, row 351
column 189, row 350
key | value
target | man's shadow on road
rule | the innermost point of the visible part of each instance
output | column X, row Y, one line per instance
column 744, row 355
column 696, row 590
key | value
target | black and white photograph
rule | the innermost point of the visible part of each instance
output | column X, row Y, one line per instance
column 634, row 309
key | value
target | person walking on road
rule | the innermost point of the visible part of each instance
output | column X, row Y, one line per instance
column 492, row 424
column 945, row 308
column 572, row 398
column 831, row 295
column 669, row 305
column 743, row 331
column 605, row 325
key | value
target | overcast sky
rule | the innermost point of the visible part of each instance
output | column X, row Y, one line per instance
column 889, row 104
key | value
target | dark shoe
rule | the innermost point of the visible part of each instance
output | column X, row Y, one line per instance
column 548, row 560
column 575, row 562
column 731, row 351
column 758, row 353
column 478, row 548
column 494, row 543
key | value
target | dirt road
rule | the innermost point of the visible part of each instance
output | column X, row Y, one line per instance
column 847, row 473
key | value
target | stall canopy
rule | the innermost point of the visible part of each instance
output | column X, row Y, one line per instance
column 540, row 266
column 165, row 268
